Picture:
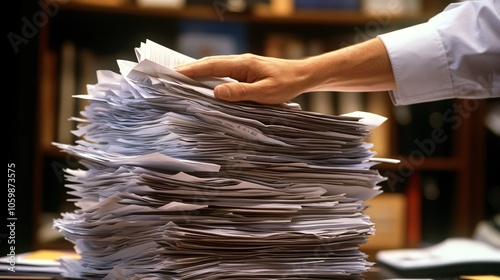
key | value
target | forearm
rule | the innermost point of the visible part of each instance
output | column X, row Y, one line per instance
column 362, row 67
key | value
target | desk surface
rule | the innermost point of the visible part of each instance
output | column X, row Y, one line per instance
column 375, row 273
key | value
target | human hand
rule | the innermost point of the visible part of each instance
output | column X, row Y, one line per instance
column 261, row 79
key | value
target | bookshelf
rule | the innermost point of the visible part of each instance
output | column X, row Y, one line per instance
column 110, row 32
column 458, row 178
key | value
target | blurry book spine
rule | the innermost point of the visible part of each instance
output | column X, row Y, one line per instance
column 284, row 45
column 327, row 4
column 388, row 212
column 348, row 102
column 228, row 3
column 198, row 38
column 414, row 213
column 111, row 3
column 86, row 75
column 232, row 6
column 174, row 4
column 322, row 102
column 47, row 125
column 405, row 7
column 282, row 7
column 380, row 103
column 89, row 61
column 67, row 88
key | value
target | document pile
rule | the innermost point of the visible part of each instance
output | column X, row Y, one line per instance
column 179, row 185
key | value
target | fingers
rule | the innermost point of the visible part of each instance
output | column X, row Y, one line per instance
column 219, row 66
column 258, row 77
column 256, row 92
column 233, row 92
column 233, row 66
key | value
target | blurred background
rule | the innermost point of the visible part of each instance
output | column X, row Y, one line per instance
column 54, row 48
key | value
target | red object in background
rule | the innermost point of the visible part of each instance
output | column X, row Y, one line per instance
column 414, row 211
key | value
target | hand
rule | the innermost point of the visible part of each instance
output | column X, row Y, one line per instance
column 261, row 79
column 361, row 67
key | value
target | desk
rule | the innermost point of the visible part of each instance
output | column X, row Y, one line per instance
column 375, row 273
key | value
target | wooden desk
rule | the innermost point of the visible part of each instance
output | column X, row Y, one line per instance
column 375, row 273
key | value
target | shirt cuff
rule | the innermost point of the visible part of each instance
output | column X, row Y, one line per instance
column 419, row 64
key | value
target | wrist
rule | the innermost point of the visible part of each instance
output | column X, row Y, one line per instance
column 323, row 71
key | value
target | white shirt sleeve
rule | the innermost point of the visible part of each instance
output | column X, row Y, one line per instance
column 456, row 54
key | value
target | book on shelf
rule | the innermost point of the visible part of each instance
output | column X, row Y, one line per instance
column 429, row 196
column 276, row 44
column 388, row 213
column 108, row 3
column 380, row 103
column 199, row 38
column 173, row 4
column 327, row 4
column 231, row 5
column 322, row 102
column 350, row 101
column 414, row 213
column 86, row 76
column 77, row 70
column 67, row 88
column 396, row 7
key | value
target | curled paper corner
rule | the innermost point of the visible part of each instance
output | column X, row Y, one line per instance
column 386, row 160
column 372, row 120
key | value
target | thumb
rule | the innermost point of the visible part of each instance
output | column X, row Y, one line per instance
column 231, row 92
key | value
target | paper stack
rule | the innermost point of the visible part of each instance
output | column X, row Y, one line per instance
column 179, row 185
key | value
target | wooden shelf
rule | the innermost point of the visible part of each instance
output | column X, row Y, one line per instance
column 205, row 12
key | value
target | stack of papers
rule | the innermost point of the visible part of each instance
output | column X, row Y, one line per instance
column 180, row 185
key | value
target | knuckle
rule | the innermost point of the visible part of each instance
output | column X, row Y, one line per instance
column 249, row 58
